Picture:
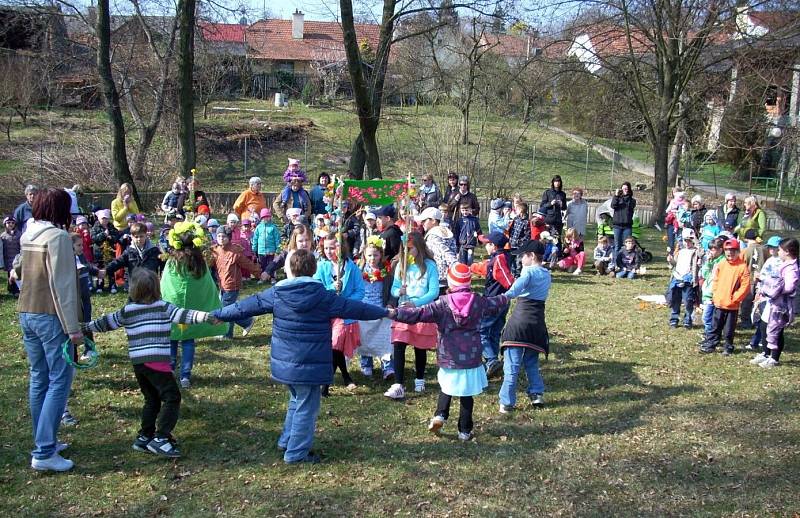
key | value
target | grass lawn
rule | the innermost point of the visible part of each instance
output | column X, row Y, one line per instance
column 636, row 423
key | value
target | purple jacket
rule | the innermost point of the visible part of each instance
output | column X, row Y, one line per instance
column 781, row 291
column 458, row 316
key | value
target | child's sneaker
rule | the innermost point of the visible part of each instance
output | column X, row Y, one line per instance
column 164, row 447
column 67, row 419
column 505, row 409
column 113, row 290
column 185, row 383
column 419, row 385
column 246, row 330
column 436, row 424
column 577, row 272
column 464, row 436
column 769, row 363
column 759, row 359
column 537, row 400
column 396, row 391
column 141, row 442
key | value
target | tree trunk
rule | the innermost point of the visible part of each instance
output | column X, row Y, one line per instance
column 675, row 155
column 186, row 14
column 660, row 187
column 526, row 112
column 142, row 147
column 371, row 151
column 465, row 125
column 119, row 156
column 205, row 110
column 358, row 158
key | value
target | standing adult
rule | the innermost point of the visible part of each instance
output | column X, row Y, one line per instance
column 451, row 189
column 698, row 212
column 623, row 204
column 729, row 213
column 554, row 200
column 429, row 194
column 251, row 201
column 577, row 212
column 754, row 217
column 49, row 315
column 293, row 195
column 440, row 242
column 463, row 195
column 317, row 194
column 74, row 192
column 123, row 206
column 24, row 210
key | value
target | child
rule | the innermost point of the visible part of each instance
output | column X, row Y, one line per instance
column 754, row 256
column 266, row 240
column 771, row 268
column 683, row 282
column 376, row 335
column 713, row 257
column 574, row 255
column 212, row 226
column 671, row 217
column 147, row 320
column 174, row 199
column 347, row 283
column 366, row 231
column 525, row 335
column 293, row 215
column 628, row 260
column 85, row 272
column 416, row 283
column 447, row 221
column 497, row 271
column 300, row 352
column 457, row 316
column 551, row 251
column 10, row 246
column 602, row 256
column 497, row 221
column 709, row 230
column 84, row 230
column 519, row 233
column 467, row 230
column 141, row 253
column 301, row 239
column 781, row 290
column 537, row 225
column 244, row 238
column 104, row 238
column 729, row 288
column 187, row 283
column 229, row 262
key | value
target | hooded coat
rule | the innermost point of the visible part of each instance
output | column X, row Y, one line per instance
column 552, row 213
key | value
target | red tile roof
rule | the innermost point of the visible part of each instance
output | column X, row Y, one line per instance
column 322, row 41
column 508, row 46
column 223, row 32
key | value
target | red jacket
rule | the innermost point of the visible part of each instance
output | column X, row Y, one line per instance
column 230, row 261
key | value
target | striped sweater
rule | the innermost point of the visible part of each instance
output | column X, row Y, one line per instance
column 148, row 328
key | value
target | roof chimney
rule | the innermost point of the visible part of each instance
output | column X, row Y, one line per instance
column 297, row 25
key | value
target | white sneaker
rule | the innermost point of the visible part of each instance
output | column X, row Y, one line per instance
column 436, row 424
column 54, row 463
column 577, row 272
column 113, row 290
column 246, row 330
column 396, row 391
column 759, row 359
column 464, row 436
column 419, row 385
column 506, row 409
column 769, row 363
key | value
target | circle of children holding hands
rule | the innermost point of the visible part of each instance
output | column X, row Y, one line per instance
column 373, row 285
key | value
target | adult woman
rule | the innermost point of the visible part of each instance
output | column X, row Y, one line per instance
column 429, row 195
column 729, row 213
column 293, row 196
column 49, row 312
column 317, row 194
column 452, row 187
column 698, row 212
column 554, row 200
column 623, row 204
column 753, row 217
column 251, row 201
column 463, row 195
column 577, row 212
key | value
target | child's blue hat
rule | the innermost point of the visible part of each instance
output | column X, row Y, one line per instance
column 774, row 241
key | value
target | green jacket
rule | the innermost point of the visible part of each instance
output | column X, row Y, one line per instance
column 705, row 272
column 756, row 221
column 185, row 291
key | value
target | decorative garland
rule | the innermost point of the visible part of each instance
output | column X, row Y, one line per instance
column 377, row 275
column 94, row 354
column 198, row 235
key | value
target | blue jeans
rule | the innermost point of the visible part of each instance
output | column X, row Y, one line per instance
column 514, row 358
column 623, row 274
column 386, row 362
column 708, row 316
column 465, row 256
column 301, row 419
column 620, row 234
column 50, row 378
column 187, row 357
column 490, row 329
column 685, row 296
column 228, row 298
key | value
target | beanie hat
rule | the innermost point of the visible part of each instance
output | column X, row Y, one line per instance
column 497, row 203
column 78, row 221
column 103, row 213
column 265, row 213
column 459, row 276
column 225, row 230
column 232, row 218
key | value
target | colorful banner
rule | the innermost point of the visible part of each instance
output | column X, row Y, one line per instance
column 374, row 192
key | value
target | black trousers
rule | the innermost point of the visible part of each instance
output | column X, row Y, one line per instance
column 340, row 362
column 399, row 360
column 464, row 413
column 162, row 401
column 723, row 321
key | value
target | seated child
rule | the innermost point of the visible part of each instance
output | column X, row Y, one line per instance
column 602, row 256
column 628, row 260
column 574, row 255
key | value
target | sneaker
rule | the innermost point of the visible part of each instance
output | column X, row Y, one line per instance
column 164, row 447
column 351, row 386
column 310, row 458
column 113, row 290
column 706, row 349
column 673, row 325
column 367, row 371
column 67, row 419
column 54, row 463
column 505, row 409
column 687, row 325
column 464, row 436
column 759, row 359
column 494, row 369
column 396, row 391
column 388, row 374
column 749, row 347
column 185, row 383
column 85, row 357
column 246, row 330
column 436, row 424
column 221, row 338
column 577, row 272
column 769, row 363
column 727, row 352
column 141, row 442
column 419, row 385
column 537, row 400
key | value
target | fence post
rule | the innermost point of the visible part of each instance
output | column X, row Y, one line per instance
column 245, row 157
column 533, row 163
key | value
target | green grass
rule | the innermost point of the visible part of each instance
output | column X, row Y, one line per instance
column 637, row 423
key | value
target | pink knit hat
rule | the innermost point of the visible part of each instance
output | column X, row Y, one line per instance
column 265, row 213
column 459, row 276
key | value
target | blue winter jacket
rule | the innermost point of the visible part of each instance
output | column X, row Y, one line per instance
column 266, row 239
column 301, row 349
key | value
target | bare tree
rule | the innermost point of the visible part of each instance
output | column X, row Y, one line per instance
column 186, row 25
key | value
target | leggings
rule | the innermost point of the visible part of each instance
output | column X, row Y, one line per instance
column 420, row 359
column 340, row 362
column 464, row 413
column 774, row 353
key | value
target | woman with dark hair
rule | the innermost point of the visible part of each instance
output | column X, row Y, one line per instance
column 623, row 204
column 49, row 315
column 317, row 194
column 554, row 200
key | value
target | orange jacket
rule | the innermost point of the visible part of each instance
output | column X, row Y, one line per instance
column 731, row 284
column 229, row 262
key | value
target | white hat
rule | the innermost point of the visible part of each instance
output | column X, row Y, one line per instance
column 201, row 220
column 687, row 233
column 546, row 236
column 429, row 213
column 293, row 212
column 697, row 198
column 370, row 215
column 232, row 218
